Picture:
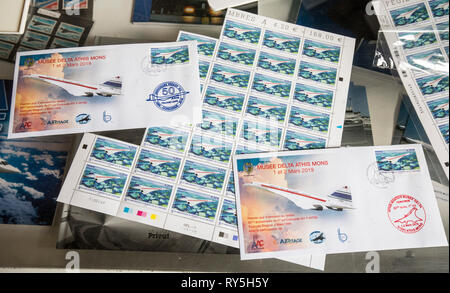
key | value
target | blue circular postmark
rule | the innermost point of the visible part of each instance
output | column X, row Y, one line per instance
column 168, row 96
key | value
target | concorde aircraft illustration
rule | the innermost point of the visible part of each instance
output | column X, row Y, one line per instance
column 435, row 82
column 201, row 43
column 111, row 151
column 5, row 167
column 214, row 121
column 156, row 162
column 314, row 71
column 235, row 53
column 39, row 23
column 413, row 37
column 443, row 107
column 410, row 218
column 302, row 143
column 319, row 49
column 264, row 107
column 394, row 159
column 167, row 55
column 67, row 31
column 210, row 147
column 146, row 190
column 101, row 178
column 193, row 201
column 312, row 94
column 274, row 62
column 305, row 117
column 269, row 84
column 111, row 87
column 240, row 31
column 221, row 97
column 162, row 135
column 425, row 61
column 228, row 74
column 200, row 173
column 258, row 132
column 407, row 14
column 443, row 6
column 339, row 200
column 279, row 40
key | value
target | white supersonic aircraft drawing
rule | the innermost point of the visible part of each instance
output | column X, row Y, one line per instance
column 200, row 173
column 279, row 40
column 210, row 147
column 413, row 37
column 146, row 190
column 443, row 6
column 258, row 132
column 5, row 167
column 214, row 121
column 162, row 135
column 111, row 151
column 269, row 84
column 394, row 159
column 274, row 62
column 235, row 53
column 264, row 107
column 314, row 71
column 200, row 43
column 228, row 74
column 434, row 83
column 339, row 200
column 319, row 49
column 302, row 143
column 312, row 94
column 240, row 31
column 101, row 178
column 443, row 107
column 305, row 117
column 425, row 61
column 156, row 162
column 221, row 98
column 193, row 201
column 167, row 55
column 407, row 14
column 111, row 87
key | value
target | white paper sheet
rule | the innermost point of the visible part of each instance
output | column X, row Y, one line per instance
column 336, row 201
column 76, row 90
column 418, row 38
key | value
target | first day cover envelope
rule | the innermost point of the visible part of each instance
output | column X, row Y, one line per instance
column 335, row 201
column 62, row 91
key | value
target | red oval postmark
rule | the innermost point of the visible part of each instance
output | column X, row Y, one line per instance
column 406, row 214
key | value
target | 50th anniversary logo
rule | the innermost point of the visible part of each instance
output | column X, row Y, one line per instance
column 168, row 96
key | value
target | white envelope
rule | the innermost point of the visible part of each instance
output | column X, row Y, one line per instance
column 62, row 91
column 335, row 201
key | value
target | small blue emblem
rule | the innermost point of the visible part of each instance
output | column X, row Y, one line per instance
column 83, row 118
column 317, row 237
column 168, row 96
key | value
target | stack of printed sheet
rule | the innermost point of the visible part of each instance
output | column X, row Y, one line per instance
column 263, row 86
column 417, row 36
